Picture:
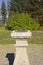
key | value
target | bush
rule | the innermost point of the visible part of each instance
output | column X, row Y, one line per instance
column 21, row 22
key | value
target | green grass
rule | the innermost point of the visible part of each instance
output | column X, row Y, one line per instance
column 5, row 37
column 37, row 37
column 2, row 28
column 41, row 28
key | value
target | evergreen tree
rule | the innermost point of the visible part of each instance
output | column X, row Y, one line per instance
column 35, row 8
column 3, row 11
column 16, row 6
column 12, row 6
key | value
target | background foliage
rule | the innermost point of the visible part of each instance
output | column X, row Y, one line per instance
column 22, row 22
column 34, row 7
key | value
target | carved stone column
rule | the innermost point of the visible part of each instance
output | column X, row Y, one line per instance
column 21, row 47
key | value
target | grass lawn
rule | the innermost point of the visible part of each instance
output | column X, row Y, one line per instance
column 5, row 37
column 37, row 37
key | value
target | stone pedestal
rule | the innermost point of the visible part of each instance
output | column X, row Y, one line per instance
column 21, row 47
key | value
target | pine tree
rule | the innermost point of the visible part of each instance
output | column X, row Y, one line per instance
column 35, row 8
column 16, row 6
column 3, row 11
column 12, row 6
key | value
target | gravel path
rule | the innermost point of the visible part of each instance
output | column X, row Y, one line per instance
column 35, row 54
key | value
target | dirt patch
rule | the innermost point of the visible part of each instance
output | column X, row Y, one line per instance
column 35, row 53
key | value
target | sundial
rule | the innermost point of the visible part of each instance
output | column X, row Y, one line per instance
column 21, row 46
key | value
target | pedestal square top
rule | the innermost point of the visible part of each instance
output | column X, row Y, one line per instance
column 21, row 34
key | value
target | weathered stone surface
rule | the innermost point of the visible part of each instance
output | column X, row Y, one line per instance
column 21, row 47
column 21, row 53
column 21, row 34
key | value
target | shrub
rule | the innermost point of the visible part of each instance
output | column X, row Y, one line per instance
column 21, row 22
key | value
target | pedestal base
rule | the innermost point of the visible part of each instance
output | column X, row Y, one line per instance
column 21, row 53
